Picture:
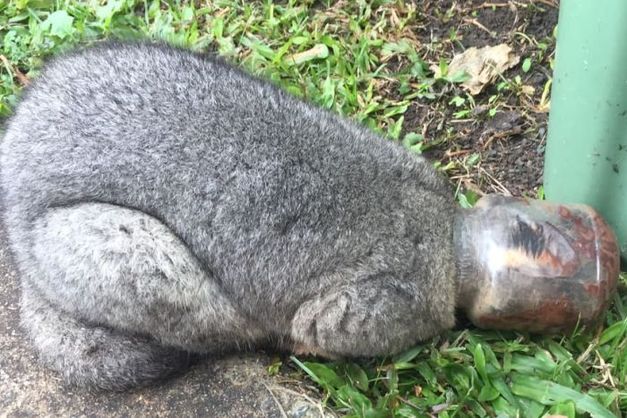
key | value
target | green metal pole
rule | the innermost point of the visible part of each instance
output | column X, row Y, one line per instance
column 586, row 153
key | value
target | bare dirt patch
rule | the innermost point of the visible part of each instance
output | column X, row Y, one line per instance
column 493, row 142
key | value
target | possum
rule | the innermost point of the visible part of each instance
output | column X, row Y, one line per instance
column 161, row 204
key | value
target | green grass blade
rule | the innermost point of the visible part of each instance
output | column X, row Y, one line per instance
column 550, row 393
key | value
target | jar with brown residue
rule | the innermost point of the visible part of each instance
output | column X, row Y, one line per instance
column 534, row 266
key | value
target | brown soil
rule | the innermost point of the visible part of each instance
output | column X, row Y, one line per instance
column 511, row 142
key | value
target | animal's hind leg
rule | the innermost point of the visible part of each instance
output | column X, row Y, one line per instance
column 108, row 271
column 94, row 356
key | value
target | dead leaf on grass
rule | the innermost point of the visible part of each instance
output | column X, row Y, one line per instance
column 482, row 65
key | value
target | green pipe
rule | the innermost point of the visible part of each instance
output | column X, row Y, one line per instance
column 586, row 152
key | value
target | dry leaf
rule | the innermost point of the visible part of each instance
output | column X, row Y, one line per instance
column 482, row 65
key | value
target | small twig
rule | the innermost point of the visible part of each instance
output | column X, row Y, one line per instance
column 498, row 183
column 450, row 154
column 275, row 400
column 606, row 369
column 425, row 128
column 550, row 3
column 487, row 5
column 409, row 403
column 500, row 135
column 469, row 185
column 460, row 177
column 479, row 25
column 592, row 346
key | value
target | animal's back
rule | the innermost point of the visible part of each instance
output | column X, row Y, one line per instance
column 264, row 189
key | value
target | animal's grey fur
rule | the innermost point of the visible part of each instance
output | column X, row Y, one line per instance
column 158, row 202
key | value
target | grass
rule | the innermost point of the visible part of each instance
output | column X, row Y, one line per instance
column 370, row 60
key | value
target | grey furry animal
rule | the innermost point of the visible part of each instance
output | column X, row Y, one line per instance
column 160, row 203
